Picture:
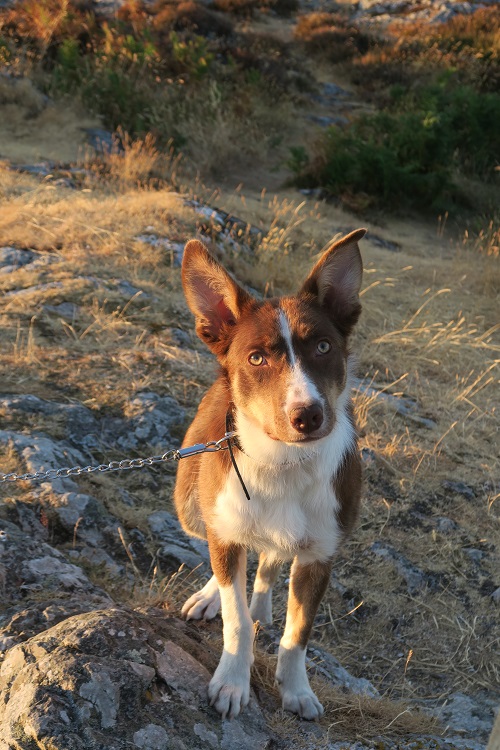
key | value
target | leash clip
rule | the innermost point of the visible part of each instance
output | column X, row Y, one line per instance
column 212, row 447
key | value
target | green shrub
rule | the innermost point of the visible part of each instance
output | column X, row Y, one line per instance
column 285, row 7
column 5, row 53
column 466, row 120
column 366, row 160
column 69, row 70
column 410, row 154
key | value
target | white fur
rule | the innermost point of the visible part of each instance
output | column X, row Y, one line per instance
column 292, row 506
column 229, row 689
column 301, row 389
column 204, row 604
column 291, row 676
column 261, row 605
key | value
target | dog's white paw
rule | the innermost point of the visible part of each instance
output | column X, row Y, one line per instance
column 291, row 676
column 229, row 690
column 204, row 604
column 304, row 703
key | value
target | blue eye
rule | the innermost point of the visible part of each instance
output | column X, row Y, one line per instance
column 256, row 359
column 323, row 347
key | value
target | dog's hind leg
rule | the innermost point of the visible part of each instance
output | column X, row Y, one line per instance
column 307, row 586
column 261, row 606
column 204, row 604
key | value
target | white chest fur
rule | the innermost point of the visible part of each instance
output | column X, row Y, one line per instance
column 292, row 508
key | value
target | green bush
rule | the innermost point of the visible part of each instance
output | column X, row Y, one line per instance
column 5, row 53
column 411, row 153
column 468, row 122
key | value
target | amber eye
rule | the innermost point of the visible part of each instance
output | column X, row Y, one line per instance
column 323, row 347
column 256, row 359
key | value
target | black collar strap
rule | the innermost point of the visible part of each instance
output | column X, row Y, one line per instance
column 230, row 428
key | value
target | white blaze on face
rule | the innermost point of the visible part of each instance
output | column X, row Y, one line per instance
column 301, row 389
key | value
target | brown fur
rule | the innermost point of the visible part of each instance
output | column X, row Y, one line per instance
column 224, row 558
column 308, row 584
column 208, row 470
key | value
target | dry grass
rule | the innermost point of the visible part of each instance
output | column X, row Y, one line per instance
column 485, row 242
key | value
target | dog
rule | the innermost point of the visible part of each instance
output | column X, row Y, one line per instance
column 285, row 385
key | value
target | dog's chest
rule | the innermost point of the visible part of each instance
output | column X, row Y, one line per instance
column 291, row 511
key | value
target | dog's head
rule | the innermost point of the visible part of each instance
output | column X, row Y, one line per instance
column 286, row 358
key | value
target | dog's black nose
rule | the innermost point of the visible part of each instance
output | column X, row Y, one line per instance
column 306, row 419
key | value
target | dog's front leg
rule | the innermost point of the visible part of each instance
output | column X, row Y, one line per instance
column 229, row 688
column 307, row 586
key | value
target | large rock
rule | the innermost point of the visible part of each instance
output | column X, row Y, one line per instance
column 64, row 507
column 117, row 679
column 11, row 258
column 41, row 453
column 471, row 716
column 18, row 624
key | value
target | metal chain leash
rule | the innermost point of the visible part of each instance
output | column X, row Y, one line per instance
column 126, row 464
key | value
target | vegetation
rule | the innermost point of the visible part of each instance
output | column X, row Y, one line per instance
column 199, row 81
column 329, row 36
column 436, row 89
column 178, row 71
column 466, row 48
column 410, row 153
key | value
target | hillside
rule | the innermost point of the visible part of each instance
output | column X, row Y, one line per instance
column 100, row 363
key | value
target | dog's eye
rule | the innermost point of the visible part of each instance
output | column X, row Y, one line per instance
column 256, row 359
column 323, row 347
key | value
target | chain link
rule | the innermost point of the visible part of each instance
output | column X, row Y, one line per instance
column 125, row 465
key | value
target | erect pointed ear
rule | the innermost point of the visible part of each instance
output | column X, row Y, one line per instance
column 336, row 279
column 213, row 296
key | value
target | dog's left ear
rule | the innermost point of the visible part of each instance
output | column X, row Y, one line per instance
column 335, row 281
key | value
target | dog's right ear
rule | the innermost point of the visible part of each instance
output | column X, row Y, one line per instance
column 214, row 298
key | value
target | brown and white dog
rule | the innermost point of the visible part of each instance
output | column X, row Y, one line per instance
column 285, row 377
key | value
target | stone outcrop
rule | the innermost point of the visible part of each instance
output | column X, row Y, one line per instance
column 116, row 679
